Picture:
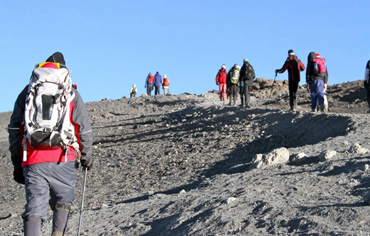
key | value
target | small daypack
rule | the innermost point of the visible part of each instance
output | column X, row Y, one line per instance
column 234, row 77
column 150, row 79
column 47, row 110
column 319, row 66
column 166, row 82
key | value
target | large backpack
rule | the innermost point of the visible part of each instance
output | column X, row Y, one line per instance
column 310, row 69
column 234, row 77
column 150, row 79
column 166, row 82
column 47, row 110
column 249, row 72
column 319, row 66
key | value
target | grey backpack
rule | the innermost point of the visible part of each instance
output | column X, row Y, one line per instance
column 47, row 111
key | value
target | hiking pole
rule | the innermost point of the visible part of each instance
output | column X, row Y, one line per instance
column 82, row 201
column 272, row 87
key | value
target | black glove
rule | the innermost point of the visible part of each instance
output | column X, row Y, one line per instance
column 18, row 174
column 277, row 71
column 87, row 163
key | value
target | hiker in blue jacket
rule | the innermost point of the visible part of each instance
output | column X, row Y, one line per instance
column 157, row 83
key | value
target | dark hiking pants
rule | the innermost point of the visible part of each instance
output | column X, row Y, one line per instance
column 48, row 184
column 233, row 93
column 367, row 87
column 149, row 89
column 245, row 94
column 293, row 87
column 157, row 90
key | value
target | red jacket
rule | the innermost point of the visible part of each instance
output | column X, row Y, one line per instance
column 221, row 76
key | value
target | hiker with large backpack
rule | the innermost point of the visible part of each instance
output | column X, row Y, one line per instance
column 233, row 81
column 165, row 84
column 157, row 83
column 317, row 79
column 221, row 82
column 149, row 82
column 49, row 135
column 246, row 78
column 294, row 67
column 367, row 83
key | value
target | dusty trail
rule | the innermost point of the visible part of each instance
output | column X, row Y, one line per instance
column 181, row 165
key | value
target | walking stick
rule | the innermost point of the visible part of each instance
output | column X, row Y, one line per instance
column 272, row 87
column 82, row 201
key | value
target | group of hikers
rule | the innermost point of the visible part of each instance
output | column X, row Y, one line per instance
column 241, row 78
column 155, row 82
column 238, row 78
column 50, row 133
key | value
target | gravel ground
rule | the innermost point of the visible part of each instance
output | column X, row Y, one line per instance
column 181, row 165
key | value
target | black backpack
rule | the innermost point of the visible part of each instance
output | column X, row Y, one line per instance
column 249, row 72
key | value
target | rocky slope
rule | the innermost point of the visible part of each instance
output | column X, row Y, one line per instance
column 186, row 165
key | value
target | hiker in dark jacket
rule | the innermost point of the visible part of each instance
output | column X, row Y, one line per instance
column 49, row 174
column 294, row 66
column 157, row 83
column 367, row 83
column 246, row 78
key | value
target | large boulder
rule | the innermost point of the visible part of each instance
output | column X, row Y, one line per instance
column 275, row 157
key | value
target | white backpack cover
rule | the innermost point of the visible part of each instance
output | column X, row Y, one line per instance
column 47, row 111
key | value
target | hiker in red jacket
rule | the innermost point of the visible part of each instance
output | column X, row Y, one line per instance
column 165, row 84
column 294, row 67
column 221, row 82
column 49, row 174
column 149, row 82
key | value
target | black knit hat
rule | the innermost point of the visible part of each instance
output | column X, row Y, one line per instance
column 290, row 52
column 57, row 57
